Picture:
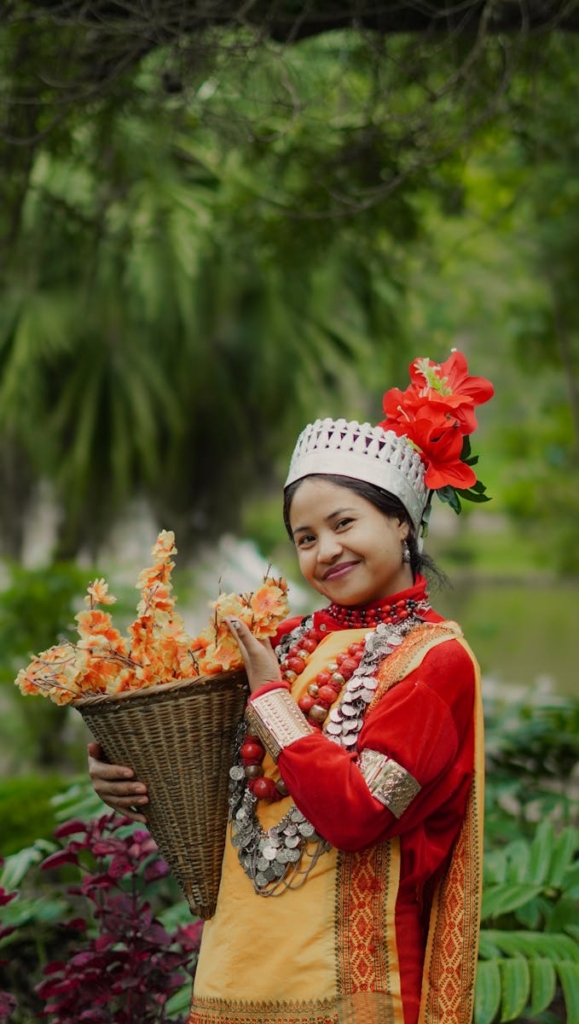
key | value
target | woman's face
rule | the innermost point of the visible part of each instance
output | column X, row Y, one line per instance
column 347, row 549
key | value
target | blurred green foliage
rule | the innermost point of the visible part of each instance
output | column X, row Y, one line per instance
column 529, row 945
column 26, row 809
column 37, row 609
column 529, row 951
column 237, row 240
column 37, row 606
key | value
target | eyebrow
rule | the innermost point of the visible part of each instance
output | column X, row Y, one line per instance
column 332, row 515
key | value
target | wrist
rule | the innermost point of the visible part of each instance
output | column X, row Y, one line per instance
column 274, row 684
column 275, row 717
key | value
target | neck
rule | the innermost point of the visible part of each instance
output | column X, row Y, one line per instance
column 394, row 608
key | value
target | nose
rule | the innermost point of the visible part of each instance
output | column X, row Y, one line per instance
column 329, row 547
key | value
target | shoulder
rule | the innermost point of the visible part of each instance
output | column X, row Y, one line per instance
column 286, row 627
column 449, row 671
column 452, row 655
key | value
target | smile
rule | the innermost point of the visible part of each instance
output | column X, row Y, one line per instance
column 337, row 571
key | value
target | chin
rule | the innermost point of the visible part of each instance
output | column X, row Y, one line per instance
column 348, row 598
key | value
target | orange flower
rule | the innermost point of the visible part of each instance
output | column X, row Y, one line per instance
column 269, row 606
column 96, row 623
column 222, row 657
column 98, row 593
column 157, row 648
column 164, row 546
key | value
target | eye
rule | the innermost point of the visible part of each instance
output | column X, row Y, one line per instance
column 343, row 523
column 305, row 540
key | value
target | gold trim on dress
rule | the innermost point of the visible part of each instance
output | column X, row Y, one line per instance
column 388, row 781
column 277, row 720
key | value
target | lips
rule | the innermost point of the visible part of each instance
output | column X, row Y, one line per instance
column 339, row 570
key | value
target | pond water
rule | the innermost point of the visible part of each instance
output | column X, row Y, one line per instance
column 524, row 633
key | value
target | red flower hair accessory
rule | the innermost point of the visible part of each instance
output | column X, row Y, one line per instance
column 436, row 414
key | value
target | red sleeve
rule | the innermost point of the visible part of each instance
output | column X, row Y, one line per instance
column 424, row 723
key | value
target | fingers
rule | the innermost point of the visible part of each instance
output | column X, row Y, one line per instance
column 258, row 656
column 238, row 629
column 115, row 785
column 245, row 637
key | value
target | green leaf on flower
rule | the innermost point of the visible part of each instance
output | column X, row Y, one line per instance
column 472, row 494
column 449, row 495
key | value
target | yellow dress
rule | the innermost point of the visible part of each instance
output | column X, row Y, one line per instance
column 326, row 951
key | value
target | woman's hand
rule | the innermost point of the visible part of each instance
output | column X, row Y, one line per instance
column 116, row 785
column 258, row 656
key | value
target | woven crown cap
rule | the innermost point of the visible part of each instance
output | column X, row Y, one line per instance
column 359, row 450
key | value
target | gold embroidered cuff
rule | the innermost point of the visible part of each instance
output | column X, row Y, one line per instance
column 277, row 720
column 388, row 781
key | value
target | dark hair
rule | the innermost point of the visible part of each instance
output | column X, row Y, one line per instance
column 386, row 503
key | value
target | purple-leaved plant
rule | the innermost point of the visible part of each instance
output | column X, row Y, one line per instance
column 126, row 973
column 7, row 1002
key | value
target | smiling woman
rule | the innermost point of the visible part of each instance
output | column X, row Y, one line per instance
column 354, row 848
column 347, row 549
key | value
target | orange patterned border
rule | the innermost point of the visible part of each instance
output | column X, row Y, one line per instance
column 217, row 1011
column 408, row 656
column 452, row 948
column 366, row 954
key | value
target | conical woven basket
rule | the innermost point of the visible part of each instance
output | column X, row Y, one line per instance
column 179, row 739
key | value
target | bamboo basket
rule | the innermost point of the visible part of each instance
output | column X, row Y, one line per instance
column 179, row 739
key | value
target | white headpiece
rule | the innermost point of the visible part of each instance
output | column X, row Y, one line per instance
column 422, row 446
column 359, row 450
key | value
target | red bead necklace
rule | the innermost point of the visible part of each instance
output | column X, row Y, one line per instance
column 360, row 618
column 315, row 704
column 327, row 686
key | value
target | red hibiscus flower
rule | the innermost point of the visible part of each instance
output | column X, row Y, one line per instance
column 449, row 387
column 441, row 446
column 403, row 407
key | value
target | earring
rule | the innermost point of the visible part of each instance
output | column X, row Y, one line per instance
column 405, row 551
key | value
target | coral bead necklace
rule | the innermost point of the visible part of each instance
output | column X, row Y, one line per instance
column 326, row 688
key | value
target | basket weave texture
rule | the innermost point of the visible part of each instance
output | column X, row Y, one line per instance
column 179, row 739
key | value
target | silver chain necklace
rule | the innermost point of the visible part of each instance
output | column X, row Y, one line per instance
column 282, row 856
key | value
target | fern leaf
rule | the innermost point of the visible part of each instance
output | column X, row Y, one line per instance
column 516, row 987
column 487, row 998
column 501, row 899
column 487, row 949
column 562, row 857
column 529, row 915
column 543, row 984
column 518, row 863
column 541, row 850
column 569, row 977
column 534, row 944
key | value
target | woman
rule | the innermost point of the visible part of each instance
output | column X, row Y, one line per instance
column 351, row 878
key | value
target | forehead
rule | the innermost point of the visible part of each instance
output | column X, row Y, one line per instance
column 319, row 498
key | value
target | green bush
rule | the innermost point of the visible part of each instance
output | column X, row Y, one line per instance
column 26, row 811
column 529, row 949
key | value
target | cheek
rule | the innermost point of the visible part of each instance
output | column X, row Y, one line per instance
column 307, row 565
column 305, row 562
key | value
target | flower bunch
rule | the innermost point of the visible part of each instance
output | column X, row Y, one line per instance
column 157, row 648
column 436, row 413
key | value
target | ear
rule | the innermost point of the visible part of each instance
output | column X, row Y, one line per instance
column 403, row 529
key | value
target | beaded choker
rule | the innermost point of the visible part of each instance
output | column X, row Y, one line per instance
column 360, row 618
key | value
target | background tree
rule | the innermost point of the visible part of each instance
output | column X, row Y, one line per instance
column 209, row 223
